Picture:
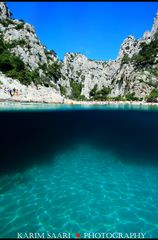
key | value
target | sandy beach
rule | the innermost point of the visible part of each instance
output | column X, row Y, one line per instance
column 74, row 102
column 110, row 102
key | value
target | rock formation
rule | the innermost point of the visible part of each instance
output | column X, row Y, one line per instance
column 20, row 39
column 121, row 75
column 75, row 77
column 4, row 11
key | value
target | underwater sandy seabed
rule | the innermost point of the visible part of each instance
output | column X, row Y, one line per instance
column 79, row 171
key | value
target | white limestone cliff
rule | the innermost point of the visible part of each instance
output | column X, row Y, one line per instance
column 25, row 44
column 120, row 78
column 4, row 11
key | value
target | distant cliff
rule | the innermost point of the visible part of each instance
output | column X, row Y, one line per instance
column 26, row 63
column 132, row 76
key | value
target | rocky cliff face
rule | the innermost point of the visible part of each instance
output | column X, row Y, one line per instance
column 26, row 58
column 88, row 73
column 4, row 11
column 24, row 40
column 132, row 73
column 121, row 76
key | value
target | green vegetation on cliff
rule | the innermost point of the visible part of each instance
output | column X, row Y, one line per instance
column 131, row 97
column 153, row 97
column 102, row 94
column 53, row 70
column 125, row 59
column 12, row 66
column 63, row 90
column 20, row 26
column 76, row 88
column 7, row 22
column 146, row 58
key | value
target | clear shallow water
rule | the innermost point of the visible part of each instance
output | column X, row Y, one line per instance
column 15, row 106
column 79, row 171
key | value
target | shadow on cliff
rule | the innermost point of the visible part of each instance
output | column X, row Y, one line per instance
column 29, row 138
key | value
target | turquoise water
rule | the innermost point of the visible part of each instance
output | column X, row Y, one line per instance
column 12, row 106
column 79, row 171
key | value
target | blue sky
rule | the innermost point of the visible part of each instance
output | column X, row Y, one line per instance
column 95, row 29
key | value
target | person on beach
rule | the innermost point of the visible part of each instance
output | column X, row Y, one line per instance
column 17, row 92
column 14, row 91
column 5, row 90
column 11, row 92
